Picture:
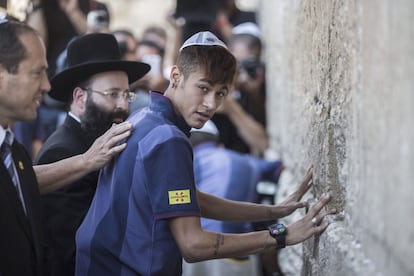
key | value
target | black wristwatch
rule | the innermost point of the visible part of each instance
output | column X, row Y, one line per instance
column 278, row 231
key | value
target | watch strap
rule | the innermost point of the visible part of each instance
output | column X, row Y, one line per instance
column 278, row 231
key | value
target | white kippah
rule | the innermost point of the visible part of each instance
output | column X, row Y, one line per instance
column 203, row 39
column 248, row 28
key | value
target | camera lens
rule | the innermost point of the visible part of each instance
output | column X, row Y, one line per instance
column 100, row 18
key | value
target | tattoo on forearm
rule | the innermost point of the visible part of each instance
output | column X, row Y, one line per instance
column 219, row 242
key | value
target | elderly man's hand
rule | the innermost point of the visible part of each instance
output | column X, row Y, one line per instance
column 107, row 146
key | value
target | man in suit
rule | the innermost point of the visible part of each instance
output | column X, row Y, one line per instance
column 23, row 82
column 96, row 85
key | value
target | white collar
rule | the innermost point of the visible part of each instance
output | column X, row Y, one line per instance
column 3, row 134
column 74, row 117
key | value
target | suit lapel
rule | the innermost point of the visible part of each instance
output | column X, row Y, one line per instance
column 13, row 198
column 28, row 185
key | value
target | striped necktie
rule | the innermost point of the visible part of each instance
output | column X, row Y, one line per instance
column 6, row 155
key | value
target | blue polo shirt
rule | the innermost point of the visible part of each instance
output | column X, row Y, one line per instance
column 126, row 230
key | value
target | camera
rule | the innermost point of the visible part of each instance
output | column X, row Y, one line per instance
column 251, row 65
column 98, row 20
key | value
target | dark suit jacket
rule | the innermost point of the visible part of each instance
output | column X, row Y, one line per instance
column 65, row 209
column 21, row 237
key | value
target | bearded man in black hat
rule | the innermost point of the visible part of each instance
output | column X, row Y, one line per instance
column 96, row 86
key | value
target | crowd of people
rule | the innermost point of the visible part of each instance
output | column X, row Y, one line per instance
column 141, row 168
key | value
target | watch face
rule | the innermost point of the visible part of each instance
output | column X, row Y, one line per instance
column 278, row 229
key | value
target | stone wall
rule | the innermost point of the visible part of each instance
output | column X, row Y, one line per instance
column 341, row 88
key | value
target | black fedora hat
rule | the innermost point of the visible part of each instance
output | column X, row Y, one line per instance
column 88, row 55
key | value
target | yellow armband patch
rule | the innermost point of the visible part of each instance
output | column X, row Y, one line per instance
column 179, row 197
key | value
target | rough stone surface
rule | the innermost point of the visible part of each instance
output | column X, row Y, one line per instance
column 341, row 90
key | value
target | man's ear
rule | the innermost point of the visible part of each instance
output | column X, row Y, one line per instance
column 79, row 97
column 175, row 75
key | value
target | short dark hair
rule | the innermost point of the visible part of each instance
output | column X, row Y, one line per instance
column 124, row 32
column 12, row 50
column 219, row 64
column 122, row 41
column 155, row 30
column 152, row 44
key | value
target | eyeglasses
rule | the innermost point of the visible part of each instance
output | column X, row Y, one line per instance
column 115, row 94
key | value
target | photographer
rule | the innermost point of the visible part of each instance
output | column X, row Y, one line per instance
column 58, row 21
column 246, row 45
column 242, row 118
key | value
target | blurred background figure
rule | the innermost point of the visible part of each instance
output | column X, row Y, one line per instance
column 57, row 21
column 196, row 16
column 97, row 21
column 234, row 14
column 228, row 16
column 148, row 51
column 127, row 43
column 246, row 45
column 151, row 50
column 217, row 16
column 248, row 100
column 32, row 134
column 156, row 34
column 239, row 131
column 232, row 175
